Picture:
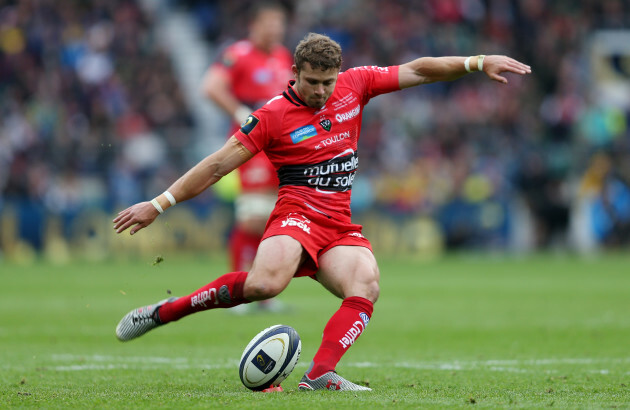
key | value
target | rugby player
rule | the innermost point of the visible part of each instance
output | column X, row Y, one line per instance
column 247, row 74
column 310, row 133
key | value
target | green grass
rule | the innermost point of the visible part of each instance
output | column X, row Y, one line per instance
column 461, row 331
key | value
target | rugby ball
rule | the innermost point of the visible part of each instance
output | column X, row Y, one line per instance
column 270, row 357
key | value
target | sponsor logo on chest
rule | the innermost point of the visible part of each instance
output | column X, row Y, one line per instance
column 303, row 133
column 333, row 140
column 348, row 115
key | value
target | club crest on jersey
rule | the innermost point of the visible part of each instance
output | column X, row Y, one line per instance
column 249, row 124
column 326, row 124
column 303, row 133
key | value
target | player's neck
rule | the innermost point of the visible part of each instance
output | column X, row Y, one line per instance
column 293, row 86
column 299, row 95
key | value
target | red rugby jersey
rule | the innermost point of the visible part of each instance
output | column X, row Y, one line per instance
column 315, row 151
column 255, row 75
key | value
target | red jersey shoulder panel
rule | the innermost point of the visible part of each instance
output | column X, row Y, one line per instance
column 371, row 81
column 257, row 133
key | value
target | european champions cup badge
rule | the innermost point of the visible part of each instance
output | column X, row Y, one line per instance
column 326, row 124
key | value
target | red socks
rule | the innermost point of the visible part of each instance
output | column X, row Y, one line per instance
column 243, row 246
column 341, row 331
column 224, row 292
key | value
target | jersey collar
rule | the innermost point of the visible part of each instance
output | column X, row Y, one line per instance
column 292, row 96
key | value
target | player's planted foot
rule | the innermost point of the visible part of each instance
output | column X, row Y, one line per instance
column 273, row 389
column 330, row 381
column 140, row 320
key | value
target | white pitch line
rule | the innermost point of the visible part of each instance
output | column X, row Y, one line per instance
column 103, row 362
column 464, row 364
column 127, row 359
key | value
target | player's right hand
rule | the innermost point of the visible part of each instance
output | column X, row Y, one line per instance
column 136, row 216
column 495, row 65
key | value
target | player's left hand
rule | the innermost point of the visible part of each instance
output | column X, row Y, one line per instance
column 494, row 66
column 137, row 216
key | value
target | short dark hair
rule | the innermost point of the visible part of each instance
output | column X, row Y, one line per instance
column 319, row 51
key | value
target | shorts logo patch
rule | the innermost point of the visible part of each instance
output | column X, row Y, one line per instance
column 249, row 124
column 299, row 221
column 303, row 133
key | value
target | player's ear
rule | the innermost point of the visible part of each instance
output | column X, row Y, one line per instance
column 295, row 70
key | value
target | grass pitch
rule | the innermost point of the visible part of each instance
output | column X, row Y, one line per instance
column 456, row 332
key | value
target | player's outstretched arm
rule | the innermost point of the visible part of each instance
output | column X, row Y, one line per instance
column 199, row 178
column 427, row 70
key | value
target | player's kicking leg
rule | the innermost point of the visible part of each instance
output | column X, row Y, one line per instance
column 275, row 264
column 224, row 292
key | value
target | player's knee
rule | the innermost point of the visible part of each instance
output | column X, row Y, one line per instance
column 262, row 289
column 372, row 290
column 369, row 284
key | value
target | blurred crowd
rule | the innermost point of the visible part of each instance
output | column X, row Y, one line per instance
column 471, row 153
column 86, row 92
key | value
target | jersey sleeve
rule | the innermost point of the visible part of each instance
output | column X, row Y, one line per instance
column 250, row 134
column 371, row 81
column 254, row 133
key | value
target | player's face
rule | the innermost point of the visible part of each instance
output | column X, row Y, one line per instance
column 315, row 86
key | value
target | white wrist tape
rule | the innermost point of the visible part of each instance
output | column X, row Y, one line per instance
column 241, row 114
column 157, row 205
column 467, row 64
column 480, row 58
column 170, row 198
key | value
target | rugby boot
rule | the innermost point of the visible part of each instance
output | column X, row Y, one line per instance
column 330, row 381
column 140, row 320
